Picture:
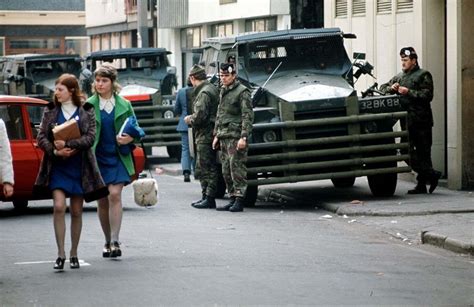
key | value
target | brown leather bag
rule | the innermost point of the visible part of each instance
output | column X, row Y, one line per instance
column 68, row 130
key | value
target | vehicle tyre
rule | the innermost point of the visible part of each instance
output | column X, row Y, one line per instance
column 174, row 152
column 20, row 204
column 383, row 185
column 343, row 182
column 251, row 196
column 221, row 187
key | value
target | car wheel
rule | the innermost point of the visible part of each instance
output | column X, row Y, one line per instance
column 251, row 196
column 174, row 152
column 20, row 204
column 383, row 185
column 221, row 187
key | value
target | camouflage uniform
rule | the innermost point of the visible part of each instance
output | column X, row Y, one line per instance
column 203, row 119
column 234, row 121
column 420, row 118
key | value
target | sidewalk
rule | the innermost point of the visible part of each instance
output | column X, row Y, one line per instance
column 444, row 219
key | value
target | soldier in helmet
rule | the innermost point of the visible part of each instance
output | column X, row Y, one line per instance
column 233, row 126
column 202, row 120
column 415, row 86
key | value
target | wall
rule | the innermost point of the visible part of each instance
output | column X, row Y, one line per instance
column 97, row 9
column 467, row 75
column 238, row 10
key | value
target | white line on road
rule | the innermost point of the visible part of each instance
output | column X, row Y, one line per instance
column 81, row 262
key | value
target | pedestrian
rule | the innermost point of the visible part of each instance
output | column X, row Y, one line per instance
column 183, row 107
column 233, row 127
column 202, row 121
column 69, row 168
column 116, row 166
column 6, row 165
column 415, row 87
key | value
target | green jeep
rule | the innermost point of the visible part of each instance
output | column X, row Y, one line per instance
column 309, row 122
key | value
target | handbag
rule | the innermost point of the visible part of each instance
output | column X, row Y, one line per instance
column 68, row 130
column 145, row 190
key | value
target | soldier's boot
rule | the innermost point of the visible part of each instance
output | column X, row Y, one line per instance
column 227, row 207
column 204, row 196
column 208, row 203
column 238, row 206
column 186, row 175
column 434, row 180
column 419, row 189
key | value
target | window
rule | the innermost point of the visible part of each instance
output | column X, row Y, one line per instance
column 341, row 8
column 404, row 5
column 35, row 43
column 222, row 29
column 191, row 38
column 2, row 46
column 226, row 1
column 384, row 6
column 13, row 119
column 261, row 25
column 76, row 45
column 358, row 8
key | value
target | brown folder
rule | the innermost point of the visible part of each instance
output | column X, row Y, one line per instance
column 68, row 130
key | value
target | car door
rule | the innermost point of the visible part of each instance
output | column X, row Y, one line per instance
column 26, row 157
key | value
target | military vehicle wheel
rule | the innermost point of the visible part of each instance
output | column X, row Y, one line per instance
column 221, row 187
column 383, row 185
column 174, row 152
column 251, row 196
column 343, row 182
column 20, row 204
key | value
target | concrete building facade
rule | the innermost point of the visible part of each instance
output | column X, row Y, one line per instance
column 49, row 26
column 438, row 30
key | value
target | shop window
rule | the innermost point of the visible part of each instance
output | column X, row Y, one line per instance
column 222, row 29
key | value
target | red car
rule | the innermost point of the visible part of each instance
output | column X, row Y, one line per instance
column 22, row 117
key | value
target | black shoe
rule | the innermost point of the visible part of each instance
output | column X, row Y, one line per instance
column 238, row 206
column 204, row 196
column 59, row 264
column 208, row 203
column 434, row 181
column 187, row 177
column 74, row 263
column 419, row 189
column 106, row 250
column 227, row 207
column 115, row 250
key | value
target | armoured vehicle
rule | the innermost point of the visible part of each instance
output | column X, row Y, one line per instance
column 33, row 75
column 147, row 81
column 309, row 122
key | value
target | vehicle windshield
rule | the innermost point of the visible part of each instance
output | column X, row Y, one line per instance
column 322, row 55
column 133, row 63
column 51, row 69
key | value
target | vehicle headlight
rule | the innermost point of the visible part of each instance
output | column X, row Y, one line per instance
column 269, row 136
column 166, row 102
column 168, row 114
column 371, row 127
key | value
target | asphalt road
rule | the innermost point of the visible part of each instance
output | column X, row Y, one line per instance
column 177, row 255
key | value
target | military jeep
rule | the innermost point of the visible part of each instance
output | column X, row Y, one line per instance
column 309, row 122
column 34, row 75
column 148, row 82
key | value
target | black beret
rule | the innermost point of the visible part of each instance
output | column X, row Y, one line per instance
column 409, row 52
column 228, row 68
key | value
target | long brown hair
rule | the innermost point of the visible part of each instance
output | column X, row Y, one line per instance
column 72, row 85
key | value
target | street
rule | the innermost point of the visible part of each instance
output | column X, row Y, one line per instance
column 272, row 254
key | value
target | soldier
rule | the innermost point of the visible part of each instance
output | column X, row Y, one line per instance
column 415, row 86
column 202, row 120
column 233, row 126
